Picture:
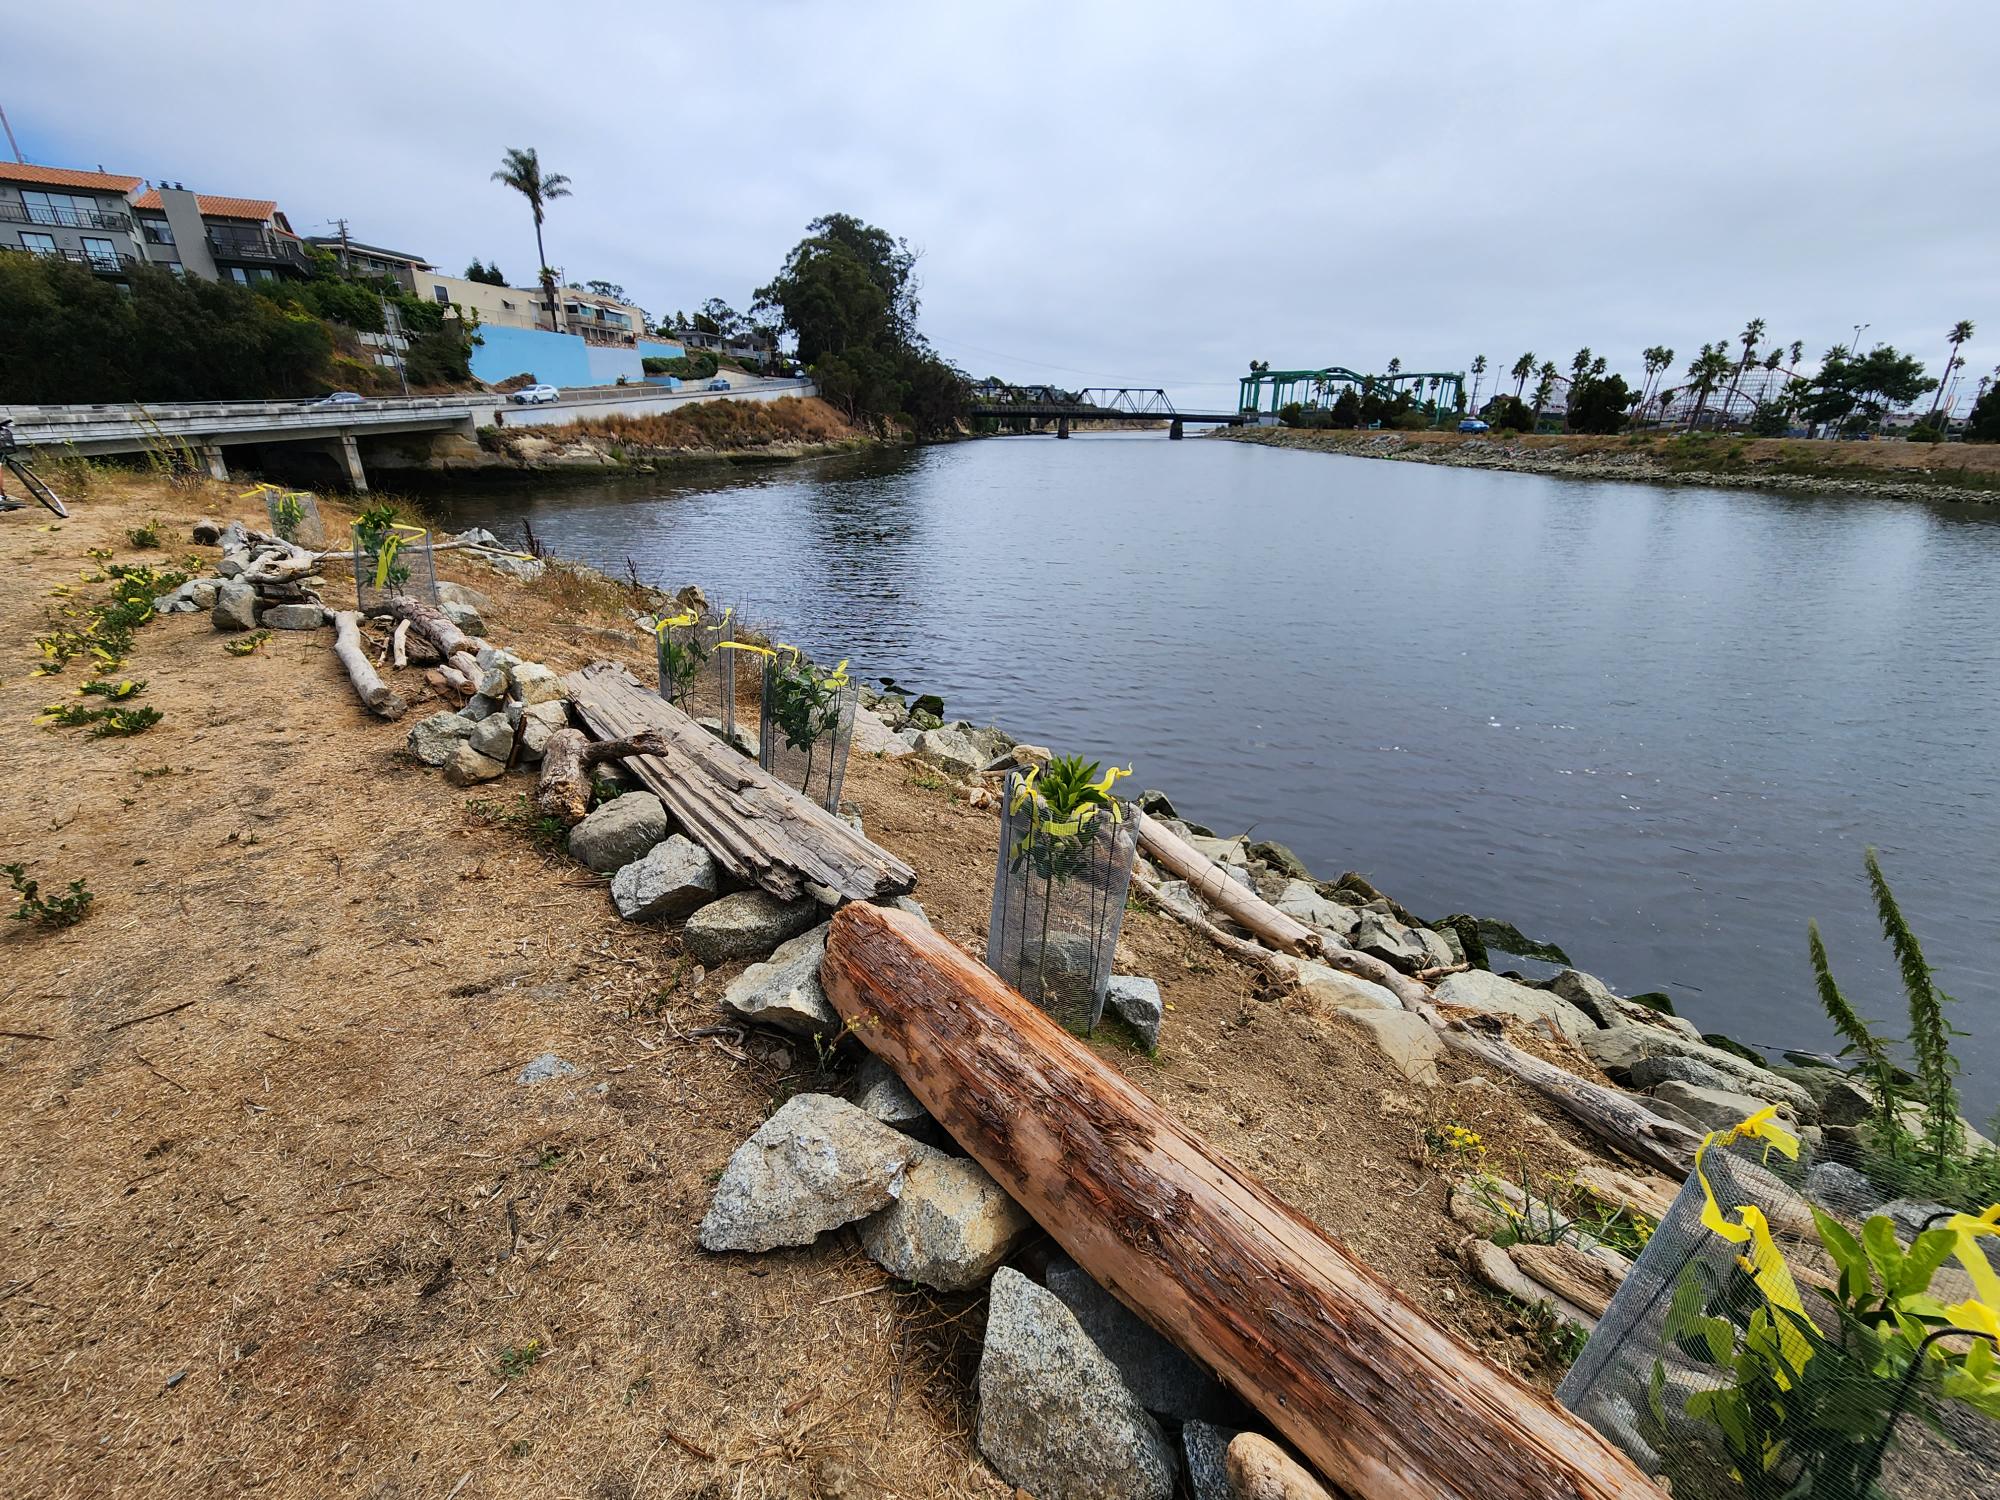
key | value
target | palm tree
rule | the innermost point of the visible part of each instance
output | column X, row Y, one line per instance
column 1960, row 332
column 1478, row 374
column 1752, row 333
column 522, row 171
column 1523, row 368
column 1545, row 384
column 1657, row 358
column 1579, row 371
column 1705, row 373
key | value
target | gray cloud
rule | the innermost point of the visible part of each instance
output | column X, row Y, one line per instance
column 1154, row 192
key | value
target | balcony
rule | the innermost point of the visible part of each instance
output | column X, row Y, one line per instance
column 66, row 218
column 107, row 265
column 256, row 248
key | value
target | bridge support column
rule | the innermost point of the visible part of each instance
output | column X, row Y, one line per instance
column 211, row 454
column 1174, row 433
column 1062, row 427
column 349, row 453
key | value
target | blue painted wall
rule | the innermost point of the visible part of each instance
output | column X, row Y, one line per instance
column 560, row 359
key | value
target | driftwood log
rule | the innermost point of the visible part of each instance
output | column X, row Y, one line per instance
column 376, row 695
column 758, row 829
column 1589, row 1281
column 430, row 622
column 564, row 789
column 1259, row 1469
column 1210, row 882
column 1275, row 965
column 1384, row 1402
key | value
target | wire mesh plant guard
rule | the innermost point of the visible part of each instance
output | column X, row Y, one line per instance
column 697, row 661
column 806, row 722
column 1763, row 1347
column 1059, row 881
column 294, row 516
column 391, row 559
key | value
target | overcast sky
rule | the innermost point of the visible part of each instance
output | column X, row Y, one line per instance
column 1146, row 193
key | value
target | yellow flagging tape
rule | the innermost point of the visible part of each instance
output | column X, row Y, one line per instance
column 1762, row 1259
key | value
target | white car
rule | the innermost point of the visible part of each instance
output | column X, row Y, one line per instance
column 536, row 395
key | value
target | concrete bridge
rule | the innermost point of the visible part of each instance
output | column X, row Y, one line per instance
column 203, row 430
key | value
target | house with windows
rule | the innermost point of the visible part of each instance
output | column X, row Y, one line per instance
column 111, row 223
column 371, row 260
column 85, row 217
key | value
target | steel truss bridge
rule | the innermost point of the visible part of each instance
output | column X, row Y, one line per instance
column 1268, row 390
column 1097, row 403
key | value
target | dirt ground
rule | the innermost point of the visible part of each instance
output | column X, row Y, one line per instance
column 279, row 1219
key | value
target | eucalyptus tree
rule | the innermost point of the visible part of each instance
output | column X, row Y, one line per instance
column 522, row 171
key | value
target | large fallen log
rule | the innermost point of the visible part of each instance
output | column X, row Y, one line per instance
column 758, row 829
column 1208, row 881
column 375, row 694
column 430, row 622
column 1387, row 1404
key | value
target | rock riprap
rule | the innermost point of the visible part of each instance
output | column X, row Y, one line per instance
column 1055, row 1418
column 784, row 990
column 950, row 1225
column 671, row 880
column 746, row 924
column 620, row 831
column 816, row 1164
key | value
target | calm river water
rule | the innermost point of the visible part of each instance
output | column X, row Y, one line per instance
column 1656, row 725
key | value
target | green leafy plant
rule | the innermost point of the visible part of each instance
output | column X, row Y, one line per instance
column 288, row 513
column 685, row 646
column 246, row 645
column 1068, row 804
column 64, row 910
column 1809, row 1410
column 1934, row 1158
column 517, row 1359
column 379, row 543
column 145, row 536
column 804, row 700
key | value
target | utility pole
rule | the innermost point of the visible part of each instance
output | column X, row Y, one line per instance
column 12, row 144
column 343, row 243
column 393, row 321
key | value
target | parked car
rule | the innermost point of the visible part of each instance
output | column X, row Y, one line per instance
column 341, row 398
column 535, row 395
column 720, row 383
column 1473, row 424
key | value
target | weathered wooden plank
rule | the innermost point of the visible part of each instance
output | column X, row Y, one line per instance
column 758, row 829
column 1387, row 1404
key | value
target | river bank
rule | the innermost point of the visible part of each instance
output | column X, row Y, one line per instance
column 416, row 1061
column 1902, row 470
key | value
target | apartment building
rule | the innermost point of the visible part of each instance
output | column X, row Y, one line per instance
column 111, row 223
column 601, row 321
column 372, row 260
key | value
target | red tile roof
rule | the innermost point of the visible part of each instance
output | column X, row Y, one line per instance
column 212, row 207
column 106, row 182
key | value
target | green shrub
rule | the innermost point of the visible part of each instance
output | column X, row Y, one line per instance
column 700, row 365
column 47, row 911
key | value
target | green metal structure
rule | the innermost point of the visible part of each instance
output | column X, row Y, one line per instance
column 1269, row 390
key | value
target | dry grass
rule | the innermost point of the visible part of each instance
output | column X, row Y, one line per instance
column 788, row 421
column 295, row 1232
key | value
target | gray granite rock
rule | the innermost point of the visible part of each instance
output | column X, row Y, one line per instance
column 235, row 606
column 1406, row 1041
column 467, row 767
column 950, row 751
column 879, row 1092
column 1618, row 1050
column 1203, row 1446
column 1055, row 1419
column 535, row 683
column 747, row 924
column 433, row 740
column 669, row 881
column 784, row 992
column 950, row 1225
column 619, row 832
column 1494, row 995
column 493, row 736
column 1839, row 1187
column 1650, row 1072
column 1716, row 1108
column 545, row 1068
column 816, row 1164
column 1161, row 1378
column 295, row 617
column 1136, row 1000
column 1910, row 1215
